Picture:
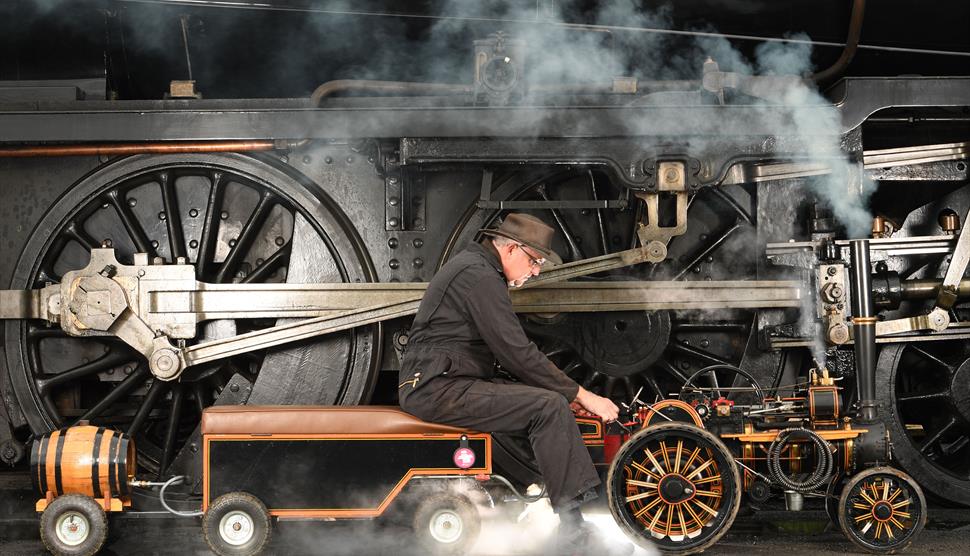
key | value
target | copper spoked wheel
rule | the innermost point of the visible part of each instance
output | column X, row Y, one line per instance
column 882, row 510
column 675, row 487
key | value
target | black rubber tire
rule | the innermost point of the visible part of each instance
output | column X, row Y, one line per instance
column 846, row 521
column 439, row 510
column 732, row 487
column 237, row 503
column 68, row 506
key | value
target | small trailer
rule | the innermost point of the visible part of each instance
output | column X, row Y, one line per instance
column 262, row 463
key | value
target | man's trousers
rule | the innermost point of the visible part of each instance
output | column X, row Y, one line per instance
column 500, row 407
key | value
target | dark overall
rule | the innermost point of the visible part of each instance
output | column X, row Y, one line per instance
column 464, row 324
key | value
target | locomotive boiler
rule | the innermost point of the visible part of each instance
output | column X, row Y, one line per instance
column 209, row 205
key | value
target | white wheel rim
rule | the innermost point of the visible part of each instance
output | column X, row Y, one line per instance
column 445, row 526
column 72, row 528
column 236, row 528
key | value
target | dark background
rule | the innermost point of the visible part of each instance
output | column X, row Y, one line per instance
column 290, row 48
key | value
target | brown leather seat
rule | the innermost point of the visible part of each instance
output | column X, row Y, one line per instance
column 312, row 419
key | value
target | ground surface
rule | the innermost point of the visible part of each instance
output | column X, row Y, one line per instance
column 766, row 532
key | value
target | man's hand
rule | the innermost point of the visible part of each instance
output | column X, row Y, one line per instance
column 602, row 407
column 579, row 410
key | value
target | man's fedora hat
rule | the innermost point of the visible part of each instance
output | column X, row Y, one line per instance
column 527, row 230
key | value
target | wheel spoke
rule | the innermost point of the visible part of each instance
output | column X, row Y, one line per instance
column 76, row 232
column 924, row 397
column 126, row 385
column 732, row 203
column 648, row 507
column 45, row 383
column 668, row 366
column 171, row 431
column 656, row 464
column 264, row 270
column 708, row 250
column 591, row 378
column 680, row 347
column 699, row 468
column 210, row 226
column 575, row 251
column 930, row 357
column 644, row 470
column 572, row 367
column 693, row 514
column 938, row 435
column 704, row 507
column 247, row 236
column 134, row 228
column 652, row 383
column 173, row 218
column 199, row 394
column 155, row 390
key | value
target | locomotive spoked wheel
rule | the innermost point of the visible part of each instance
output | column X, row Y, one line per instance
column 882, row 510
column 236, row 524
column 231, row 216
column 675, row 487
column 73, row 525
column 925, row 398
column 446, row 524
column 615, row 354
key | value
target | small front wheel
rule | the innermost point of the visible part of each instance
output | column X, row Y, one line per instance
column 447, row 524
column 236, row 524
column 882, row 510
column 73, row 525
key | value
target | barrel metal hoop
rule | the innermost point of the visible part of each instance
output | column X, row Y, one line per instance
column 112, row 458
column 58, row 453
column 96, row 464
column 42, row 465
column 122, row 464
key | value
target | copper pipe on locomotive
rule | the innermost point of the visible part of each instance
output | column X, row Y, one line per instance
column 124, row 149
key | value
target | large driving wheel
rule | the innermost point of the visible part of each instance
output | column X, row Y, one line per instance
column 924, row 396
column 674, row 486
column 617, row 353
column 234, row 218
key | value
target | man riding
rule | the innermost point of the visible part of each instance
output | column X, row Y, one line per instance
column 466, row 323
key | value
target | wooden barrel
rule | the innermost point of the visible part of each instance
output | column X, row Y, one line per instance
column 94, row 461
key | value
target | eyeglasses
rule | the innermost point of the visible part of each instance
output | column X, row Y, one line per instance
column 535, row 262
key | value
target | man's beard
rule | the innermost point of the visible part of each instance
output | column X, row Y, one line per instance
column 519, row 282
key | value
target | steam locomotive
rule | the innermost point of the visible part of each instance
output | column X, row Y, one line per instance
column 210, row 204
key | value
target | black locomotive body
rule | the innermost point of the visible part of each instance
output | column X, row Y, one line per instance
column 209, row 205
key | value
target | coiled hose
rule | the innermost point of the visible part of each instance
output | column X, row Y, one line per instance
column 815, row 480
